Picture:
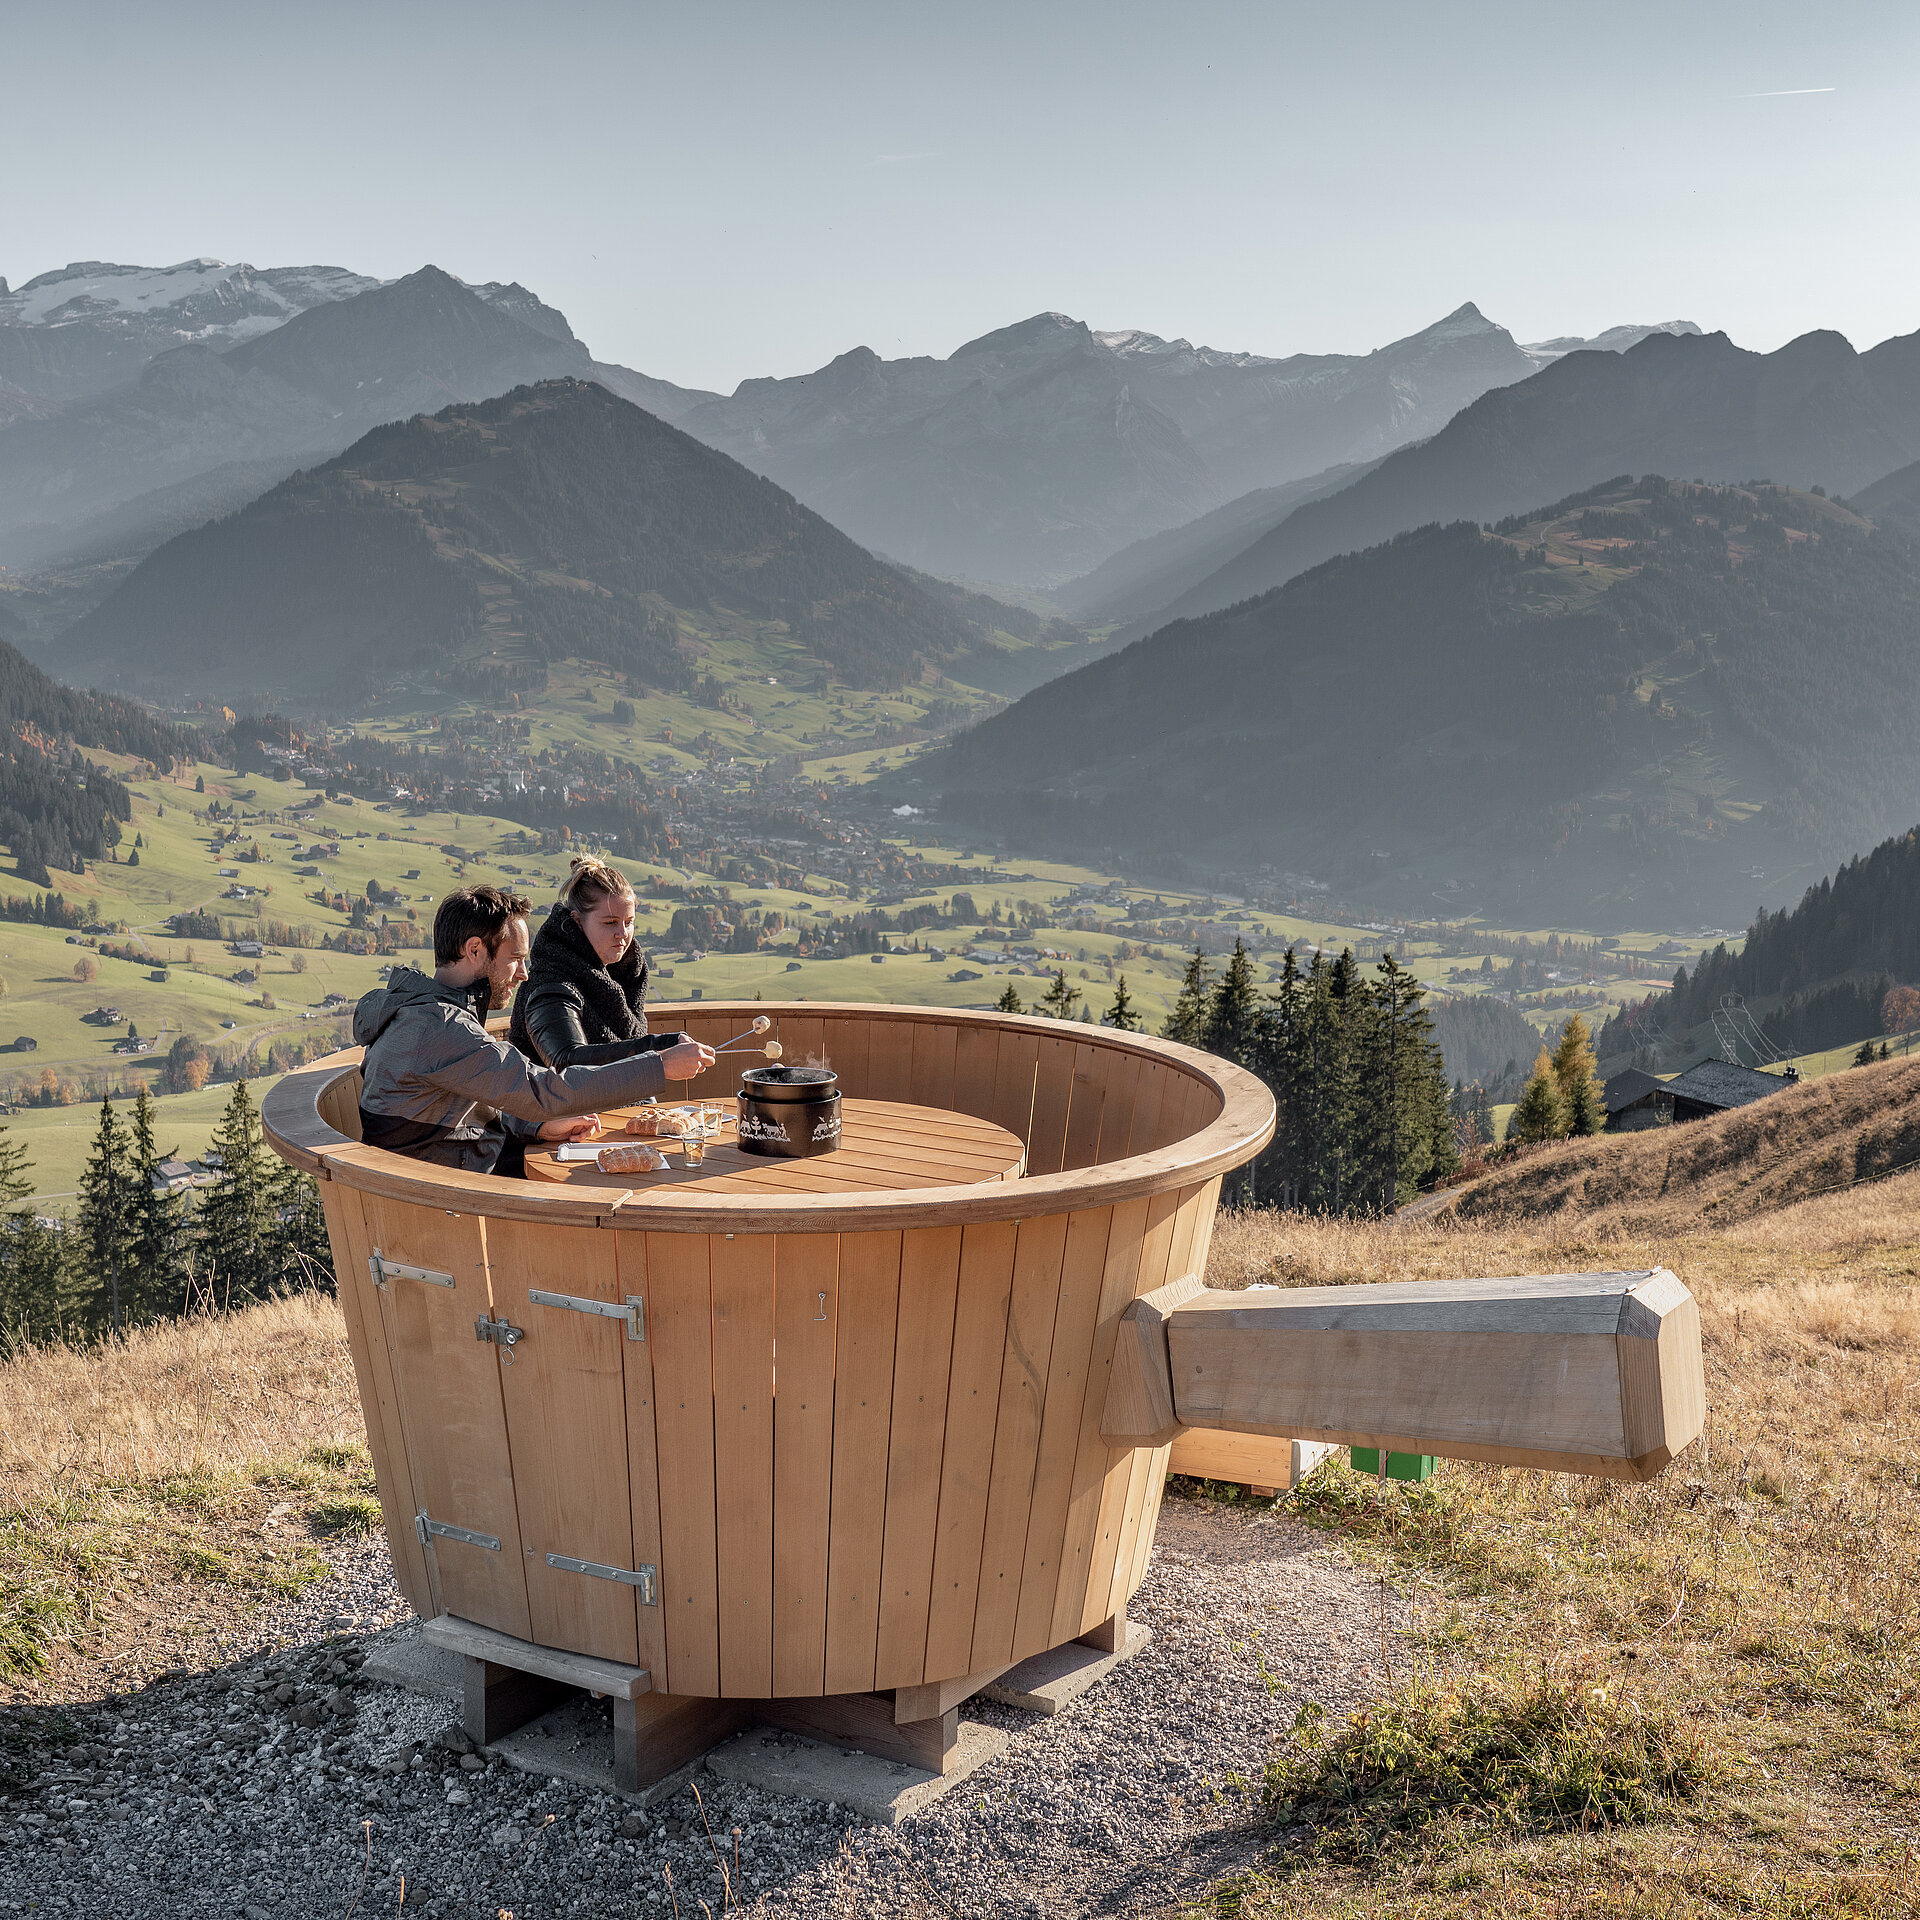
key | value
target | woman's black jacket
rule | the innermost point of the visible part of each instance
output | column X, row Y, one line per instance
column 574, row 1011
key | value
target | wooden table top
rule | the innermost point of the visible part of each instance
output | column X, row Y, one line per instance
column 884, row 1145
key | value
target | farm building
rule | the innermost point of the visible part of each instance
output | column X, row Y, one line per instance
column 1718, row 1086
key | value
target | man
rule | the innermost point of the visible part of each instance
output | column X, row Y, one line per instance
column 435, row 1085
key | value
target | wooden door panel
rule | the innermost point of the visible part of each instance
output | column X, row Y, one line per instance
column 565, row 1398
column 448, row 1385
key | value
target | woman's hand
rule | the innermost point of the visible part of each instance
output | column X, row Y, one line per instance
column 583, row 1126
column 686, row 1059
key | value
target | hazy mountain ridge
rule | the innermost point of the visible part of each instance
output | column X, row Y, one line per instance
column 286, row 397
column 1034, row 452
column 474, row 546
column 1682, row 686
column 1814, row 411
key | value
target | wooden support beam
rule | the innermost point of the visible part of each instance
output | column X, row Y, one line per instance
column 1595, row 1373
column 931, row 1701
column 1139, row 1408
column 655, row 1734
column 865, row 1721
column 581, row 1670
column 1109, row 1636
column 500, row 1700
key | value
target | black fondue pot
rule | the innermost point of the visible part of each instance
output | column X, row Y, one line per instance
column 789, row 1113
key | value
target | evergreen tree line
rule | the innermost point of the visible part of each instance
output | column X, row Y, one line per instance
column 1358, row 1083
column 135, row 1254
column 1863, row 925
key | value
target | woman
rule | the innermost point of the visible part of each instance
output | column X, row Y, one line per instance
column 585, row 998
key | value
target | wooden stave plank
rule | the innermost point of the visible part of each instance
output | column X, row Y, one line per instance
column 680, row 1331
column 566, row 1410
column 890, row 1060
column 379, row 1404
column 1016, row 1064
column 806, row 1276
column 1083, row 1272
column 923, row 1345
column 643, row 1466
column 966, row 1468
column 448, row 1387
column 742, row 1279
column 1052, row 1104
column 930, row 1078
column 1120, row 1077
column 1031, row 1315
column 869, row 1281
column 1095, row 1500
column 976, row 1055
column 1089, row 1084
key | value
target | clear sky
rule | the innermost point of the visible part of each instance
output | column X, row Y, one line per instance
column 729, row 188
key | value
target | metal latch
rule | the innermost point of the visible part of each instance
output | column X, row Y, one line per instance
column 426, row 1528
column 502, row 1332
column 634, row 1312
column 384, row 1270
column 642, row 1577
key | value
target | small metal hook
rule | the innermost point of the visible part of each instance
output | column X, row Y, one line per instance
column 822, row 1314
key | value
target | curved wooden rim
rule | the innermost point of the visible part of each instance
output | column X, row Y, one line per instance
column 294, row 1128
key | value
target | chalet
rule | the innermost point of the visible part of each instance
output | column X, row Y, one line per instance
column 1718, row 1086
column 1634, row 1100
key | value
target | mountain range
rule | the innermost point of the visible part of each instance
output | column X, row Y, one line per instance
column 1034, row 452
column 1653, row 695
column 468, row 548
column 136, row 402
column 1816, row 411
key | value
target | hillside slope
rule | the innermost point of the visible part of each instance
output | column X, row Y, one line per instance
column 1632, row 699
column 472, row 547
column 1691, row 406
column 1817, row 1138
column 1814, row 975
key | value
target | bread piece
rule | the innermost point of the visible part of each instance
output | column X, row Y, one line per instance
column 630, row 1160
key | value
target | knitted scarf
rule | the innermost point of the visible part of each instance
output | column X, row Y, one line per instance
column 613, row 996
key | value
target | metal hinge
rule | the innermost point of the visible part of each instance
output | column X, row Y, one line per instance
column 502, row 1332
column 634, row 1313
column 426, row 1528
column 642, row 1577
column 385, row 1270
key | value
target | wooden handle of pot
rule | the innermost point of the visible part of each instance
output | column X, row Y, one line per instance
column 1595, row 1373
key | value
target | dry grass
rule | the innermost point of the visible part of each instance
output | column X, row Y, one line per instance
column 166, row 1476
column 1820, row 1138
column 1763, row 1592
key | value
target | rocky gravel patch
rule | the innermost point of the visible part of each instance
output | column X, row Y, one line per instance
column 284, row 1784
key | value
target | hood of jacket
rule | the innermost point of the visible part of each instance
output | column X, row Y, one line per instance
column 409, row 991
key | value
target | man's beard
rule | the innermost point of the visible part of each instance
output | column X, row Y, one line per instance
column 498, row 994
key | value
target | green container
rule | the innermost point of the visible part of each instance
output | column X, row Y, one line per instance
column 1400, row 1466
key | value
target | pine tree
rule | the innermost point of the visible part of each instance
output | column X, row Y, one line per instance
column 158, row 1225
column 235, row 1227
column 1010, row 1001
column 1232, row 1021
column 33, row 1275
column 1123, row 1016
column 1057, row 1003
column 1581, row 1094
column 1542, row 1112
column 105, row 1226
column 1188, row 1019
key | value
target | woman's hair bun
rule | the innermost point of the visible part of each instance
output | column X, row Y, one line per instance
column 591, row 881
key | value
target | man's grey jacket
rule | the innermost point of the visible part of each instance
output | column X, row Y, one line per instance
column 435, row 1085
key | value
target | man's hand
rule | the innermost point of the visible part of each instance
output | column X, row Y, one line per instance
column 686, row 1059
column 580, row 1127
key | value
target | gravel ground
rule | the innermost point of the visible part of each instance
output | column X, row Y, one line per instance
column 269, row 1787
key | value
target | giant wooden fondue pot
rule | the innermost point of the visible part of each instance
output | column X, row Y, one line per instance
column 722, row 1456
